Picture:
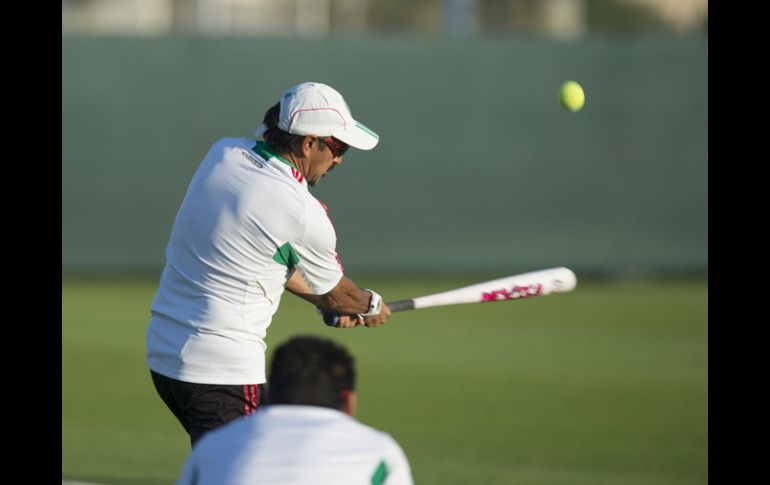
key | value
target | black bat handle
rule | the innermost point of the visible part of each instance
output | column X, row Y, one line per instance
column 330, row 317
column 401, row 305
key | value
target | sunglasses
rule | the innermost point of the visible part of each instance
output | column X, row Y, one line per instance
column 338, row 148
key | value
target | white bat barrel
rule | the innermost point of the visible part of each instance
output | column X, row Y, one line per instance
column 526, row 285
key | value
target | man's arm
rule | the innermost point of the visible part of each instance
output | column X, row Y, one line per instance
column 299, row 287
column 399, row 471
column 346, row 298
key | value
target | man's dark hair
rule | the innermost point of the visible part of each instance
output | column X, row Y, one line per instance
column 279, row 140
column 311, row 371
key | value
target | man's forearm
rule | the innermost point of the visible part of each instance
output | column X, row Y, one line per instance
column 299, row 287
column 347, row 298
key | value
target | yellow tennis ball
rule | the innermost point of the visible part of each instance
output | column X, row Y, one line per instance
column 571, row 96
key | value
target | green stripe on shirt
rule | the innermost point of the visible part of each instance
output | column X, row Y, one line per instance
column 380, row 474
column 263, row 150
column 286, row 256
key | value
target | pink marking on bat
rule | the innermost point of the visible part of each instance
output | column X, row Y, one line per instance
column 493, row 295
column 515, row 293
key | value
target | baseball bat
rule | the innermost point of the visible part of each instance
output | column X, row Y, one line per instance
column 516, row 287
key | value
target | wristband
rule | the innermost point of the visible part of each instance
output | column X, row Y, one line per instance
column 375, row 304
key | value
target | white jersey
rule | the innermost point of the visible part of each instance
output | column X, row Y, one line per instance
column 246, row 222
column 291, row 445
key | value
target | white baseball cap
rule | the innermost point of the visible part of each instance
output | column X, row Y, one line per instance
column 312, row 108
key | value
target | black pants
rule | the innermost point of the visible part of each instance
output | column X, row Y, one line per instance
column 203, row 407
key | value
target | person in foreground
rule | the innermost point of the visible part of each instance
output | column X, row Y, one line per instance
column 305, row 434
column 248, row 229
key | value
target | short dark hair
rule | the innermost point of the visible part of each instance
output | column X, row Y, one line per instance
column 279, row 140
column 311, row 371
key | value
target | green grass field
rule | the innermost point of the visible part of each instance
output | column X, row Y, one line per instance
column 605, row 385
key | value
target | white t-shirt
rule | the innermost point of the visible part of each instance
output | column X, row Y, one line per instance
column 246, row 222
column 290, row 445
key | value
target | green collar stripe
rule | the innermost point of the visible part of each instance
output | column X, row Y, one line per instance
column 360, row 125
column 286, row 256
column 263, row 150
column 380, row 474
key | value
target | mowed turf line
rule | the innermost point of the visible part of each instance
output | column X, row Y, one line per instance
column 605, row 385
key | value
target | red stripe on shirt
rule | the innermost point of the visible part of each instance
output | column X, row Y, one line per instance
column 246, row 397
column 297, row 175
column 342, row 268
column 336, row 254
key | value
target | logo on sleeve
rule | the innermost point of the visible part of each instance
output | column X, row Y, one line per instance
column 251, row 158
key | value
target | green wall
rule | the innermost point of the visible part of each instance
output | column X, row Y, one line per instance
column 478, row 167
